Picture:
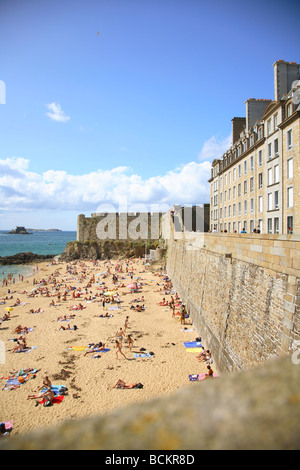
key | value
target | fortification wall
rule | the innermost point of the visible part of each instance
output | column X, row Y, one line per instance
column 242, row 292
column 118, row 226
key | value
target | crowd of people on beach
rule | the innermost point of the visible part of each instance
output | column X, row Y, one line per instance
column 104, row 289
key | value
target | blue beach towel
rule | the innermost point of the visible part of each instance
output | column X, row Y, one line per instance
column 193, row 344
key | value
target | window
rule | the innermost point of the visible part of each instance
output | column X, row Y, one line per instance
column 276, row 174
column 275, row 121
column 225, row 212
column 239, row 189
column 225, row 196
column 234, row 192
column 270, row 176
column 269, row 151
column 234, row 210
column 289, row 139
column 260, row 159
column 229, row 194
column 269, row 127
column 234, row 174
column 233, row 226
column 260, row 204
column 270, row 226
column 290, row 197
column 245, row 187
column 239, row 226
column 260, row 225
column 252, row 205
column 260, row 180
column 270, row 201
column 290, row 224
column 245, row 207
column 245, row 167
column 276, row 225
column 276, row 147
column 251, row 226
column 239, row 208
column 289, row 110
column 229, row 211
column 239, row 171
column 259, row 133
column 276, row 199
column 290, row 168
column 251, row 164
column 251, row 184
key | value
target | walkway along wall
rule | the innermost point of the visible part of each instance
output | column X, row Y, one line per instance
column 242, row 292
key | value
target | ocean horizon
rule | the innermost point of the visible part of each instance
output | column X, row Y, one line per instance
column 39, row 242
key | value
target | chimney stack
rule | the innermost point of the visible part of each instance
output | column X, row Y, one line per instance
column 285, row 73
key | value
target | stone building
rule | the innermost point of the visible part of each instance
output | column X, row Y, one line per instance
column 254, row 185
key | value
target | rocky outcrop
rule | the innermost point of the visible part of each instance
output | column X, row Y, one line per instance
column 107, row 249
column 24, row 258
column 256, row 409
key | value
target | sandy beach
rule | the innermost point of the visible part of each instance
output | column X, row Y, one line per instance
column 60, row 355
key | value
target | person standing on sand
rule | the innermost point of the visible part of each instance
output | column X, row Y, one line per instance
column 119, row 349
column 130, row 342
column 120, row 335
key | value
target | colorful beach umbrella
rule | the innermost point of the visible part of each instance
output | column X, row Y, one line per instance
column 9, row 309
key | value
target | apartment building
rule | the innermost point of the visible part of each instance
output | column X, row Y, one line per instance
column 255, row 185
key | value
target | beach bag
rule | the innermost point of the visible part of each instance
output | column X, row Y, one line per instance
column 47, row 403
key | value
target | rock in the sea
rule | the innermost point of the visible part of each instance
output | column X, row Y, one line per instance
column 24, row 258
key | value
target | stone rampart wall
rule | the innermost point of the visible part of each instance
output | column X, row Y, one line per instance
column 242, row 292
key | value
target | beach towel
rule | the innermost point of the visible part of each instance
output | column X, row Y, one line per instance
column 77, row 348
column 199, row 377
column 56, row 400
column 13, row 382
column 114, row 308
column 193, row 350
column 193, row 344
column 27, row 350
column 56, row 389
column 143, row 355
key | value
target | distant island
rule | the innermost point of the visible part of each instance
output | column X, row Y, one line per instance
column 19, row 231
column 43, row 230
column 28, row 231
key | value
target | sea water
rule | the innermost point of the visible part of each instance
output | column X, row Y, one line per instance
column 41, row 243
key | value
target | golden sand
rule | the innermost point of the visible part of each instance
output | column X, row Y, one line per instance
column 90, row 380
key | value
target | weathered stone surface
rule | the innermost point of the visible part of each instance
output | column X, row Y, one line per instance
column 255, row 409
column 24, row 258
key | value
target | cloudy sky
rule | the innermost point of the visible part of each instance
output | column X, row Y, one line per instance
column 111, row 102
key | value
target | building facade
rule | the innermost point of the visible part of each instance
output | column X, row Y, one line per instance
column 255, row 185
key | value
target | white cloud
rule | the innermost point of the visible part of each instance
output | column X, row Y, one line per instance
column 62, row 193
column 214, row 148
column 56, row 113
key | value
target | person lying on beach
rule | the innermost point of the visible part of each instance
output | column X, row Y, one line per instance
column 96, row 347
column 39, row 310
column 121, row 384
column 48, row 395
column 21, row 329
column 65, row 317
column 104, row 316
column 21, row 346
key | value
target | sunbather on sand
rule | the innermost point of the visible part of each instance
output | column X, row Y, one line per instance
column 47, row 395
column 121, row 384
column 96, row 347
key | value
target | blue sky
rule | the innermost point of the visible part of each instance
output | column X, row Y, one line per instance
column 135, row 113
